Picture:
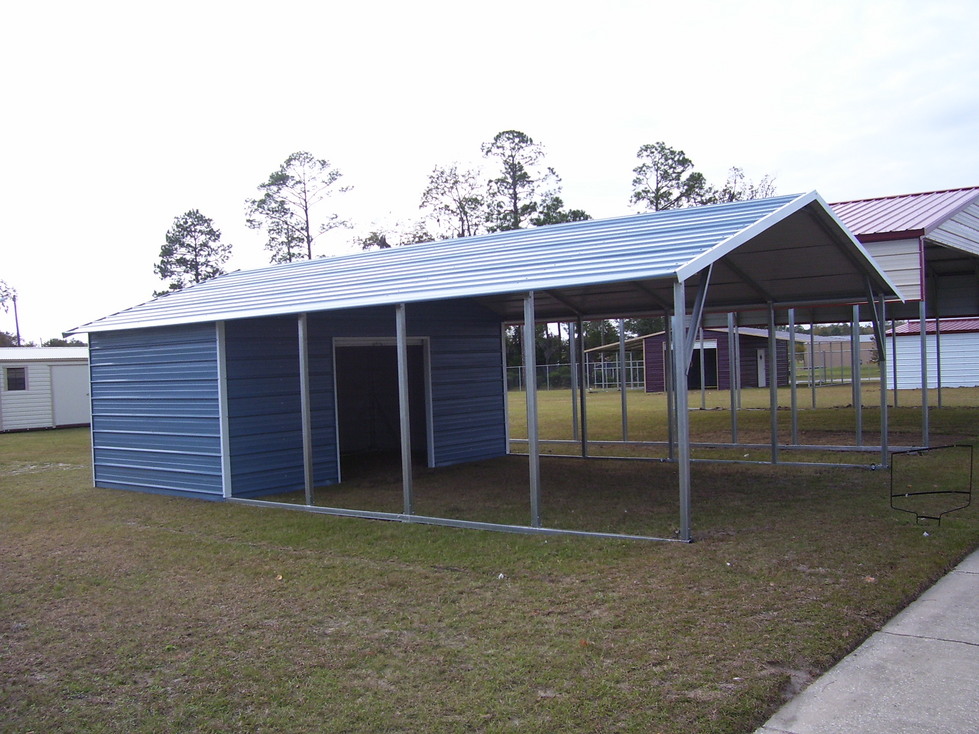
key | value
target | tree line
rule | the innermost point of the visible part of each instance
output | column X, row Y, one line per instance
column 519, row 190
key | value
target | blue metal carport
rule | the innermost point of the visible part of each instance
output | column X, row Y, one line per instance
column 227, row 389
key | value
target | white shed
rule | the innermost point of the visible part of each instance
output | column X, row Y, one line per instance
column 43, row 387
column 959, row 358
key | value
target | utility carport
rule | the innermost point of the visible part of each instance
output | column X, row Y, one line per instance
column 227, row 390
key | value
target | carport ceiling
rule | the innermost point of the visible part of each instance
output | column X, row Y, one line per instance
column 805, row 259
column 788, row 250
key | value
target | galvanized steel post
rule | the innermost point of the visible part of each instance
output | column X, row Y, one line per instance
column 812, row 362
column 732, row 369
column 506, row 386
column 923, row 331
column 703, row 370
column 792, row 379
column 623, row 381
column 894, row 357
column 582, row 386
column 737, row 360
column 882, row 348
column 855, row 383
column 669, row 387
column 773, row 382
column 938, row 354
column 573, row 360
column 403, row 400
column 680, row 362
column 533, row 439
column 227, row 490
column 306, row 411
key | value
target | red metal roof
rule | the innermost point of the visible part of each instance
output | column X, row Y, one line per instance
column 947, row 326
column 907, row 215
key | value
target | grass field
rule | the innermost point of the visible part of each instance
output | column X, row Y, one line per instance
column 832, row 423
column 128, row 612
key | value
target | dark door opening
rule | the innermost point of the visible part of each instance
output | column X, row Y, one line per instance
column 368, row 410
column 694, row 380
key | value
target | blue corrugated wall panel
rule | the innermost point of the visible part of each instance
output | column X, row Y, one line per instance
column 264, row 406
column 155, row 397
column 468, row 393
column 155, row 410
column 326, row 466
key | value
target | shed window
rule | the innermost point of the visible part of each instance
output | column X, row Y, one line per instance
column 16, row 378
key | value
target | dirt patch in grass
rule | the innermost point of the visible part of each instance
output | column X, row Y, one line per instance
column 14, row 468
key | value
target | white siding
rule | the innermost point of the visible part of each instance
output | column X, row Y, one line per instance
column 30, row 408
column 961, row 231
column 901, row 260
column 960, row 360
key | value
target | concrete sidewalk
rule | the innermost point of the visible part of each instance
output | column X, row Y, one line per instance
column 919, row 674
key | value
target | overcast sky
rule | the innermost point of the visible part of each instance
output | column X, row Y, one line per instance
column 119, row 116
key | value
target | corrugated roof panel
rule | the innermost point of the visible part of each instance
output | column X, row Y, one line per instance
column 644, row 247
column 947, row 326
column 914, row 214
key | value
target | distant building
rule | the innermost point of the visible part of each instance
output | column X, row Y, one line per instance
column 927, row 243
column 43, row 387
column 830, row 353
column 714, row 354
column 959, row 358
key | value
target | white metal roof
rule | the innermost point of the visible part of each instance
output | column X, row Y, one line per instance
column 787, row 250
column 43, row 354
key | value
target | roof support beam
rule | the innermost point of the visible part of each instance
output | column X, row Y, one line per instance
column 564, row 301
column 877, row 317
column 652, row 294
column 748, row 280
column 878, row 313
column 848, row 252
column 698, row 314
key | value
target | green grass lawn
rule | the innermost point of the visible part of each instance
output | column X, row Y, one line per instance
column 832, row 422
column 129, row 612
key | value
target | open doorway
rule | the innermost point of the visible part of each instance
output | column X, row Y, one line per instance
column 705, row 353
column 368, row 409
